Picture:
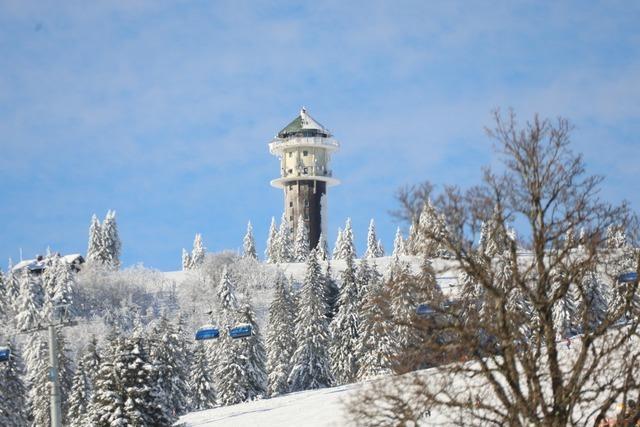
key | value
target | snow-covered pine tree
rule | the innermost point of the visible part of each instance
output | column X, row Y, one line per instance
column 230, row 369
column 518, row 308
column 255, row 357
column 322, row 248
column 95, row 245
column 338, row 245
column 616, row 237
column 30, row 301
column 111, row 244
column 186, row 260
column 372, row 242
column 564, row 309
column 380, row 249
column 398, row 244
column 331, row 294
column 430, row 232
column 37, row 361
column 91, row 361
column 231, row 375
column 301, row 245
column 198, row 252
column 79, row 398
column 203, row 392
column 272, row 251
column 294, row 295
column 404, row 301
column 348, row 247
column 143, row 400
column 13, row 393
column 471, row 297
column 12, row 287
column 311, row 362
column 171, row 361
column 570, row 239
column 280, row 338
column 375, row 278
column 428, row 289
column 344, row 327
column 494, row 238
column 113, row 341
column 285, row 241
column 623, row 298
column 592, row 302
column 227, row 292
column 249, row 243
column 65, row 371
column 58, row 286
column 4, row 312
column 107, row 408
column 363, row 278
column 410, row 243
column 376, row 347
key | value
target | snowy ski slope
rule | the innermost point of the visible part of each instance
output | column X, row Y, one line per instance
column 325, row 407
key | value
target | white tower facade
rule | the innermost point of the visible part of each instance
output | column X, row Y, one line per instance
column 304, row 148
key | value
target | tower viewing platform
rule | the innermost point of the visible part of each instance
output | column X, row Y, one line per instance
column 304, row 147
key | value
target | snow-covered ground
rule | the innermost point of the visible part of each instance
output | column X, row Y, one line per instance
column 325, row 407
column 314, row 408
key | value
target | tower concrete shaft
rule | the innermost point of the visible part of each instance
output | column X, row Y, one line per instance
column 304, row 148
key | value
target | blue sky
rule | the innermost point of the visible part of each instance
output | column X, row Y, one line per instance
column 163, row 110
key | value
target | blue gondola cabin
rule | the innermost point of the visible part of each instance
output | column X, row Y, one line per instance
column 5, row 352
column 207, row 333
column 240, row 331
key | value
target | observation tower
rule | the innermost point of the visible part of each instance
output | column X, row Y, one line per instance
column 304, row 148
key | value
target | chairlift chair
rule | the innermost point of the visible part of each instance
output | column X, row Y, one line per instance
column 629, row 277
column 424, row 310
column 207, row 332
column 240, row 331
column 5, row 352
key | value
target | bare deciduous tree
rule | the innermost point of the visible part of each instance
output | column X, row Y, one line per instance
column 508, row 360
column 411, row 199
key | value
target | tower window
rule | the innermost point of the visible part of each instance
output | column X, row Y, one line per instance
column 290, row 153
column 305, row 153
column 291, row 218
column 306, row 170
column 290, row 204
column 290, row 170
column 306, row 203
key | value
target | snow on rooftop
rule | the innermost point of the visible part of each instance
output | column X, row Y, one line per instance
column 40, row 263
column 303, row 121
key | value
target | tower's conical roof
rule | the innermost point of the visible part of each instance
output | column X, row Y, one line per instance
column 304, row 123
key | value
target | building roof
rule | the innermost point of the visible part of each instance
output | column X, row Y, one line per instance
column 304, row 122
column 40, row 263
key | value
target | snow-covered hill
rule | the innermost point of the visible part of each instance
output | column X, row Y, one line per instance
column 313, row 408
column 325, row 407
column 261, row 295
